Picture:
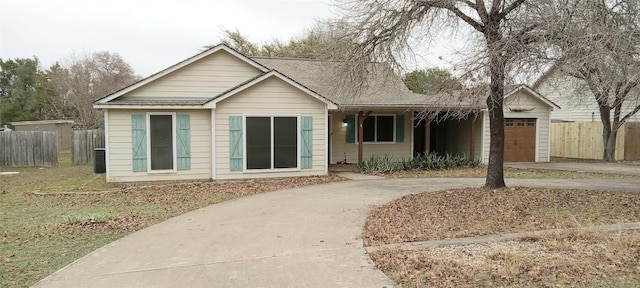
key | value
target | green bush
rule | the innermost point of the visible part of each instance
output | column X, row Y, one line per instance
column 432, row 161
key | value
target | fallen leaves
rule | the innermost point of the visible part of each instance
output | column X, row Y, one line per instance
column 466, row 212
column 573, row 260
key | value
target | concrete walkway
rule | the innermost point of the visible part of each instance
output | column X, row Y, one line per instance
column 302, row 237
column 596, row 167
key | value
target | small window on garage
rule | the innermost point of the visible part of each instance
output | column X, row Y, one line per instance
column 531, row 122
column 508, row 122
column 520, row 122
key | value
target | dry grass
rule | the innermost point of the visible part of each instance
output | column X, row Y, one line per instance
column 469, row 212
column 565, row 260
column 40, row 234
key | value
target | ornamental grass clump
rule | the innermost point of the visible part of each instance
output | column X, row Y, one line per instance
column 431, row 161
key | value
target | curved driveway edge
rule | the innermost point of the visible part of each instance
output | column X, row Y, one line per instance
column 301, row 237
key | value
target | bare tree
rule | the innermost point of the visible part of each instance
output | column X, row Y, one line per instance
column 83, row 79
column 313, row 43
column 510, row 31
column 600, row 47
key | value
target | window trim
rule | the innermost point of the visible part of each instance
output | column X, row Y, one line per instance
column 244, row 143
column 376, row 142
column 173, row 143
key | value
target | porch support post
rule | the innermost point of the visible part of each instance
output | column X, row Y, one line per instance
column 472, row 139
column 427, row 136
column 360, row 121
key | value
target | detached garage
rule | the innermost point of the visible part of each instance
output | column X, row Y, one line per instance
column 526, row 127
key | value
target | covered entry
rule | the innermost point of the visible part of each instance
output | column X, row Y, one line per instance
column 519, row 140
column 456, row 137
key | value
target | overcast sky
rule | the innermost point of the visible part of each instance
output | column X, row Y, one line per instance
column 152, row 34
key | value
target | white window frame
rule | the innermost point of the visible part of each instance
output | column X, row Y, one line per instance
column 244, row 143
column 174, row 148
column 375, row 135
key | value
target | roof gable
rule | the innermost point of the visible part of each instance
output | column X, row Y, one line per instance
column 528, row 90
column 251, row 82
column 173, row 68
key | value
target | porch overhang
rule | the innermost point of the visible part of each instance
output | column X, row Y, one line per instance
column 407, row 107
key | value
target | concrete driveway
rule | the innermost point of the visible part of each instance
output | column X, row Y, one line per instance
column 302, row 237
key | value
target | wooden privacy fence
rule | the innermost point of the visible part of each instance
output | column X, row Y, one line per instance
column 84, row 143
column 583, row 140
column 28, row 148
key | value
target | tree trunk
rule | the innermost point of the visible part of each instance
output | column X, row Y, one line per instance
column 610, row 145
column 497, row 66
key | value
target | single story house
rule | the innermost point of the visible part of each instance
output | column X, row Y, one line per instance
column 223, row 115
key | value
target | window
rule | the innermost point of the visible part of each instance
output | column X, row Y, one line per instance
column 378, row 128
column 508, row 122
column 271, row 142
column 161, row 141
column 531, row 122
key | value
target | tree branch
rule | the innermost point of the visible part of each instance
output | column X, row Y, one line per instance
column 510, row 8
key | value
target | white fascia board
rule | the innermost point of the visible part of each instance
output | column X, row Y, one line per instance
column 140, row 107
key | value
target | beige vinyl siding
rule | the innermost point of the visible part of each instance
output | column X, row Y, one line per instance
column 120, row 150
column 541, row 113
column 206, row 77
column 576, row 101
column 341, row 149
column 271, row 97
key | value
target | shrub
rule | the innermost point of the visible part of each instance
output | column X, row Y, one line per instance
column 384, row 164
column 432, row 161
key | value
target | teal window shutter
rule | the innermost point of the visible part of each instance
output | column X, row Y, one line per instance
column 351, row 128
column 306, row 157
column 183, row 139
column 235, row 143
column 139, row 142
column 399, row 128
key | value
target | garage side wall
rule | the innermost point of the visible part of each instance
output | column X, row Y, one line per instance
column 540, row 111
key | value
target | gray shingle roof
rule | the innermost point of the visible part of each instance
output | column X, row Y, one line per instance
column 382, row 88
